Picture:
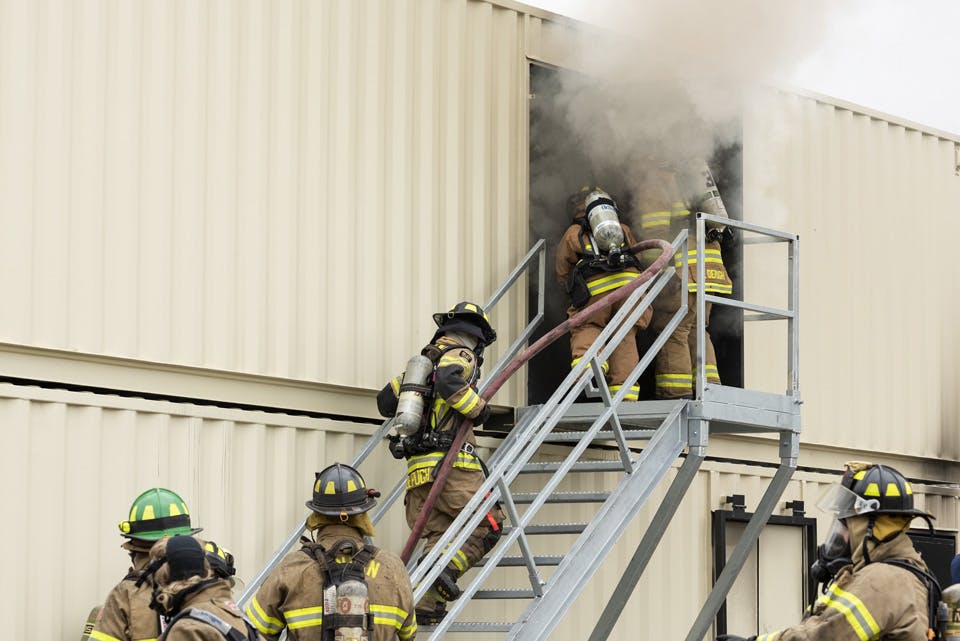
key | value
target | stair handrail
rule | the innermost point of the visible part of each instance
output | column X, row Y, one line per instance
column 536, row 252
column 576, row 380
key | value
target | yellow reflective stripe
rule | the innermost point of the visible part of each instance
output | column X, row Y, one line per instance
column 460, row 561
column 604, row 367
column 304, row 617
column 387, row 615
column 770, row 636
column 408, row 631
column 856, row 614
column 632, row 395
column 428, row 461
column 100, row 636
column 450, row 359
column 678, row 381
column 467, row 461
column 655, row 219
column 607, row 283
column 265, row 623
column 467, row 403
column 423, row 461
column 395, row 385
column 712, row 288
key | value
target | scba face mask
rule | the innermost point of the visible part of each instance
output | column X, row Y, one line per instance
column 833, row 554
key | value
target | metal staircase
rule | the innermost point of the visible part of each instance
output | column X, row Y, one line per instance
column 649, row 436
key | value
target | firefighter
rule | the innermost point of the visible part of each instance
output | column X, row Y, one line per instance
column 335, row 563
column 455, row 354
column 592, row 263
column 665, row 211
column 194, row 598
column 126, row 614
column 876, row 586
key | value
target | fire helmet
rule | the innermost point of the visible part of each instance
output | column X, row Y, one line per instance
column 868, row 488
column 467, row 317
column 220, row 560
column 157, row 513
column 339, row 490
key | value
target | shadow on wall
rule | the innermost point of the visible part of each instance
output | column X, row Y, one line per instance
column 561, row 162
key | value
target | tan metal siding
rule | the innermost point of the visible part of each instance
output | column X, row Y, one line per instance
column 73, row 463
column 875, row 205
column 282, row 188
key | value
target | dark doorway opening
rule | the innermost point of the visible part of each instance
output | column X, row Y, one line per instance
column 560, row 164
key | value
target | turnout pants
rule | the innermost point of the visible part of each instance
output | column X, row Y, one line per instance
column 675, row 370
column 624, row 357
column 460, row 487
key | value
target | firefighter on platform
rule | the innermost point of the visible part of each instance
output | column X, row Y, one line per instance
column 126, row 614
column 429, row 401
column 592, row 262
column 665, row 211
column 193, row 597
column 876, row 586
column 336, row 585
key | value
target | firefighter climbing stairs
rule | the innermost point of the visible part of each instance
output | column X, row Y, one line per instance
column 650, row 438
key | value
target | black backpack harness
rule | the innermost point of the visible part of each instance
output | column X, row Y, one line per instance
column 336, row 573
column 936, row 624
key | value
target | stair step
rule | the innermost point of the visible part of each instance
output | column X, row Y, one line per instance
column 580, row 466
column 602, row 435
column 518, row 561
column 472, row 626
column 504, row 594
column 551, row 528
column 562, row 497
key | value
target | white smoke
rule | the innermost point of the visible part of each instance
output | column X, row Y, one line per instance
column 670, row 79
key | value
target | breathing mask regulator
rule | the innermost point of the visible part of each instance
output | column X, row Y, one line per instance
column 601, row 215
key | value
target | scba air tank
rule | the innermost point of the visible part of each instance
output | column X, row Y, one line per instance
column 353, row 606
column 413, row 389
column 603, row 220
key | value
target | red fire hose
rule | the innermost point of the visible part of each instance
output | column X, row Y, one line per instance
column 558, row 331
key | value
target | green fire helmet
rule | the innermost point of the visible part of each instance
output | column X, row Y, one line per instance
column 157, row 513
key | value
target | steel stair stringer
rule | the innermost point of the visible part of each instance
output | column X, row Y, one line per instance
column 593, row 545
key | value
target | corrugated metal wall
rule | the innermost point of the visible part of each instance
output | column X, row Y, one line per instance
column 73, row 462
column 876, row 206
column 260, row 187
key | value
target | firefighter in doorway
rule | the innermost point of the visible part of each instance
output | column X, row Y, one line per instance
column 192, row 595
column 429, row 400
column 876, row 586
column 308, row 591
column 665, row 211
column 126, row 614
column 592, row 262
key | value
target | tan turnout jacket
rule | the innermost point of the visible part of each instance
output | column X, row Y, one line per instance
column 292, row 595
column 866, row 602
column 126, row 614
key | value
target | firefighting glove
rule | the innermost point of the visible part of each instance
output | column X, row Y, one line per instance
column 483, row 416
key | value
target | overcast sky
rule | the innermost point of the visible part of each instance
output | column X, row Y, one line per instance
column 901, row 57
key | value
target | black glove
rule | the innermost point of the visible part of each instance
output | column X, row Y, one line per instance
column 733, row 637
column 483, row 416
